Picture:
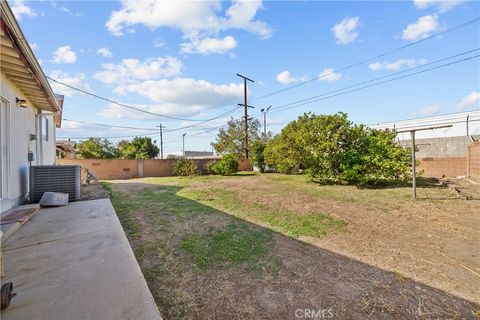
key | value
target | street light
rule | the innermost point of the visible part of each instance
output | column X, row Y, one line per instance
column 183, row 148
column 265, row 120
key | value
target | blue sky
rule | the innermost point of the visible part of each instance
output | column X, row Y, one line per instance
column 180, row 59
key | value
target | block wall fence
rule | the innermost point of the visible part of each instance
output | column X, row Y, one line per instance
column 109, row 169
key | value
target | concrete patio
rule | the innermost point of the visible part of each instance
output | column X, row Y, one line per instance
column 75, row 262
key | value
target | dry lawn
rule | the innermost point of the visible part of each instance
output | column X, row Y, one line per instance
column 265, row 246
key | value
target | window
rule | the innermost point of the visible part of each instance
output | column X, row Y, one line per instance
column 44, row 128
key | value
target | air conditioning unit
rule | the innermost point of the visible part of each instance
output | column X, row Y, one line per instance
column 54, row 178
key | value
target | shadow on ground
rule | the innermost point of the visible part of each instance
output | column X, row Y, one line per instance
column 204, row 263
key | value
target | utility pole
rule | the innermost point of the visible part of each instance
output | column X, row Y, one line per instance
column 414, row 171
column 183, row 143
column 160, row 127
column 265, row 120
column 246, row 106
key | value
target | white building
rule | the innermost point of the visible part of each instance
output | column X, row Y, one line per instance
column 463, row 124
column 29, row 114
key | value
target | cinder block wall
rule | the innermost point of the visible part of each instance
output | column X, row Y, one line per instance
column 440, row 147
column 473, row 159
column 443, row 167
column 109, row 169
column 106, row 168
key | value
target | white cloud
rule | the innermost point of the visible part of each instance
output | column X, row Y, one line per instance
column 186, row 91
column 64, row 54
column 19, row 9
column 176, row 97
column 441, row 5
column 158, row 43
column 105, row 52
column 285, row 77
column 191, row 17
column 208, row 46
column 240, row 15
column 396, row 65
column 76, row 80
column 34, row 46
column 422, row 28
column 329, row 74
column 472, row 100
column 129, row 70
column 429, row 110
column 346, row 30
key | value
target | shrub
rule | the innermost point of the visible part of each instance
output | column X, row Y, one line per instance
column 184, row 167
column 258, row 157
column 227, row 166
column 209, row 167
column 332, row 149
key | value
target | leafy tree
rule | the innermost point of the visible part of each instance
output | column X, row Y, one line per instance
column 138, row 148
column 96, row 148
column 333, row 150
column 258, row 157
column 232, row 139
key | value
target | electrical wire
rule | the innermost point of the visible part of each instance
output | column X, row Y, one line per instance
column 122, row 104
column 370, row 59
column 301, row 102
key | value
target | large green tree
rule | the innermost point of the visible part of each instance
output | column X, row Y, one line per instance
column 232, row 138
column 331, row 149
column 96, row 148
column 138, row 148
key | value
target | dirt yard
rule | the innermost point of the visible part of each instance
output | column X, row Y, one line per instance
column 276, row 247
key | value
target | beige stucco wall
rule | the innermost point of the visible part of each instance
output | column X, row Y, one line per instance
column 21, row 122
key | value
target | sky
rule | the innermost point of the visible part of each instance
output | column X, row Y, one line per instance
column 179, row 59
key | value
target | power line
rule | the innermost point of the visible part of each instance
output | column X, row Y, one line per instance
column 121, row 104
column 378, row 78
column 106, row 125
column 127, row 127
column 302, row 102
column 370, row 59
column 425, row 118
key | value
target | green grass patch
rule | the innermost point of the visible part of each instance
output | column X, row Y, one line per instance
column 292, row 223
column 235, row 245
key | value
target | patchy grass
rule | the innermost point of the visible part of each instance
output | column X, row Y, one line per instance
column 235, row 245
column 292, row 223
column 225, row 247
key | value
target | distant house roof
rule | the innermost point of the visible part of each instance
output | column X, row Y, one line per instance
column 20, row 65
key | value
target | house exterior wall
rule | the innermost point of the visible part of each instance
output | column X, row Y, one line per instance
column 21, row 122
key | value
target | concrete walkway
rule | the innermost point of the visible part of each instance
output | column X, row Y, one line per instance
column 75, row 262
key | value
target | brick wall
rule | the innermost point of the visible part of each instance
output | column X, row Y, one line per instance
column 443, row 167
column 109, row 169
column 473, row 160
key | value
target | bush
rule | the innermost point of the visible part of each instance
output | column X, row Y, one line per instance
column 184, row 167
column 227, row 166
column 258, row 157
column 209, row 167
column 332, row 149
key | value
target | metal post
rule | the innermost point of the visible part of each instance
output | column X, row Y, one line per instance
column 468, row 116
column 183, row 144
column 265, row 123
column 414, row 172
column 264, row 111
column 160, row 127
